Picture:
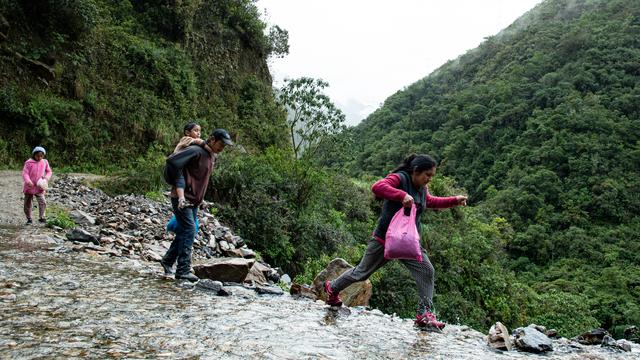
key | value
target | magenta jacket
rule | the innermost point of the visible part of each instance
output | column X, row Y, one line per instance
column 388, row 189
column 33, row 171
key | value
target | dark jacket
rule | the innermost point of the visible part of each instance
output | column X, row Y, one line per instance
column 194, row 164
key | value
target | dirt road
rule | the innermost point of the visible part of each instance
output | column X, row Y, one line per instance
column 11, row 199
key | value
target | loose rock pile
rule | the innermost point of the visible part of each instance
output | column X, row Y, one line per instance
column 133, row 226
column 537, row 339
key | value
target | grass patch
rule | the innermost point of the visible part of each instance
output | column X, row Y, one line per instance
column 58, row 216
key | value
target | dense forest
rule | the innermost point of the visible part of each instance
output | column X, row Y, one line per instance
column 539, row 125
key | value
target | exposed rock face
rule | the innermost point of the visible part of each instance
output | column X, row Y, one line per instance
column 531, row 340
column 229, row 269
column 358, row 294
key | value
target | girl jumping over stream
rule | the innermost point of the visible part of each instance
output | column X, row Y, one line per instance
column 405, row 186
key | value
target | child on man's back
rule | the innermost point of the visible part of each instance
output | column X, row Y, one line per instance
column 191, row 136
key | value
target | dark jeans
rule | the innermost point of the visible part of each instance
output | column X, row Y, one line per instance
column 181, row 246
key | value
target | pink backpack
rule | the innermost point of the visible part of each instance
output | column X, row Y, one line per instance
column 402, row 240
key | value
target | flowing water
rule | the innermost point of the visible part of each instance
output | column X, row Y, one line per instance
column 57, row 303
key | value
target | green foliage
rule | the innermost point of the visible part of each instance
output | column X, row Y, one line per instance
column 57, row 216
column 287, row 209
column 120, row 90
column 540, row 124
column 313, row 118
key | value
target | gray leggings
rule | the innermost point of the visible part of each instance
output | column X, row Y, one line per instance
column 373, row 259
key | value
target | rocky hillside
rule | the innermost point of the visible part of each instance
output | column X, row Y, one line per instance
column 102, row 84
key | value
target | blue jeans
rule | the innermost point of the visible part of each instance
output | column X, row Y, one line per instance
column 182, row 244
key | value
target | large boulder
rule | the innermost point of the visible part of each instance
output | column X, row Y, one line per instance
column 531, row 339
column 225, row 269
column 357, row 294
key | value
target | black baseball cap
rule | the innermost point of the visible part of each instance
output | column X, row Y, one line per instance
column 222, row 134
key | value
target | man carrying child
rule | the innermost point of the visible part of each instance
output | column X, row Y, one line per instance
column 189, row 169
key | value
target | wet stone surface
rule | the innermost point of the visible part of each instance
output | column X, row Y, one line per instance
column 68, row 305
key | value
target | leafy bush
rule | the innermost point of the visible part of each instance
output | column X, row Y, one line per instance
column 58, row 216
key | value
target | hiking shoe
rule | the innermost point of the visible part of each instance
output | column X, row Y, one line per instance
column 428, row 320
column 333, row 298
column 168, row 269
column 42, row 220
column 188, row 276
column 29, row 222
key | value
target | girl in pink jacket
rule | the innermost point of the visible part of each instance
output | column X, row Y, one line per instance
column 35, row 175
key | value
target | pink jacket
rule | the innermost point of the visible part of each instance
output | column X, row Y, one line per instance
column 387, row 188
column 32, row 172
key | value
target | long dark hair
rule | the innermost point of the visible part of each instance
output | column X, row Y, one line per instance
column 415, row 162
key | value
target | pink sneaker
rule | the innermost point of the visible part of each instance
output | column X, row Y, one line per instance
column 428, row 320
column 333, row 298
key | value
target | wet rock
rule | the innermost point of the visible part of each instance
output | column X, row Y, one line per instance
column 499, row 337
column 269, row 290
column 529, row 339
column 624, row 345
column 632, row 334
column 224, row 246
column 82, row 235
column 611, row 343
column 69, row 285
column 209, row 285
column 226, row 269
column 593, row 337
column 302, row 290
column 540, row 328
column 357, row 294
column 81, row 217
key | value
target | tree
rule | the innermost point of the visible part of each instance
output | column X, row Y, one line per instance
column 312, row 118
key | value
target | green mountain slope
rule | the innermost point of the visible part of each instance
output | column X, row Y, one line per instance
column 104, row 82
column 541, row 124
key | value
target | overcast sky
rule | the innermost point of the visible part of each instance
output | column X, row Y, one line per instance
column 369, row 49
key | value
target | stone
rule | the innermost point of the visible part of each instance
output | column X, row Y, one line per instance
column 225, row 269
column 529, row 339
column 269, row 290
column 632, row 334
column 624, row 345
column 82, row 235
column 609, row 342
column 247, row 253
column 81, row 217
column 552, row 333
column 256, row 275
column 498, row 337
column 209, row 285
column 593, row 337
column 224, row 246
column 285, row 279
column 357, row 294
column 540, row 328
column 306, row 291
column 151, row 255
